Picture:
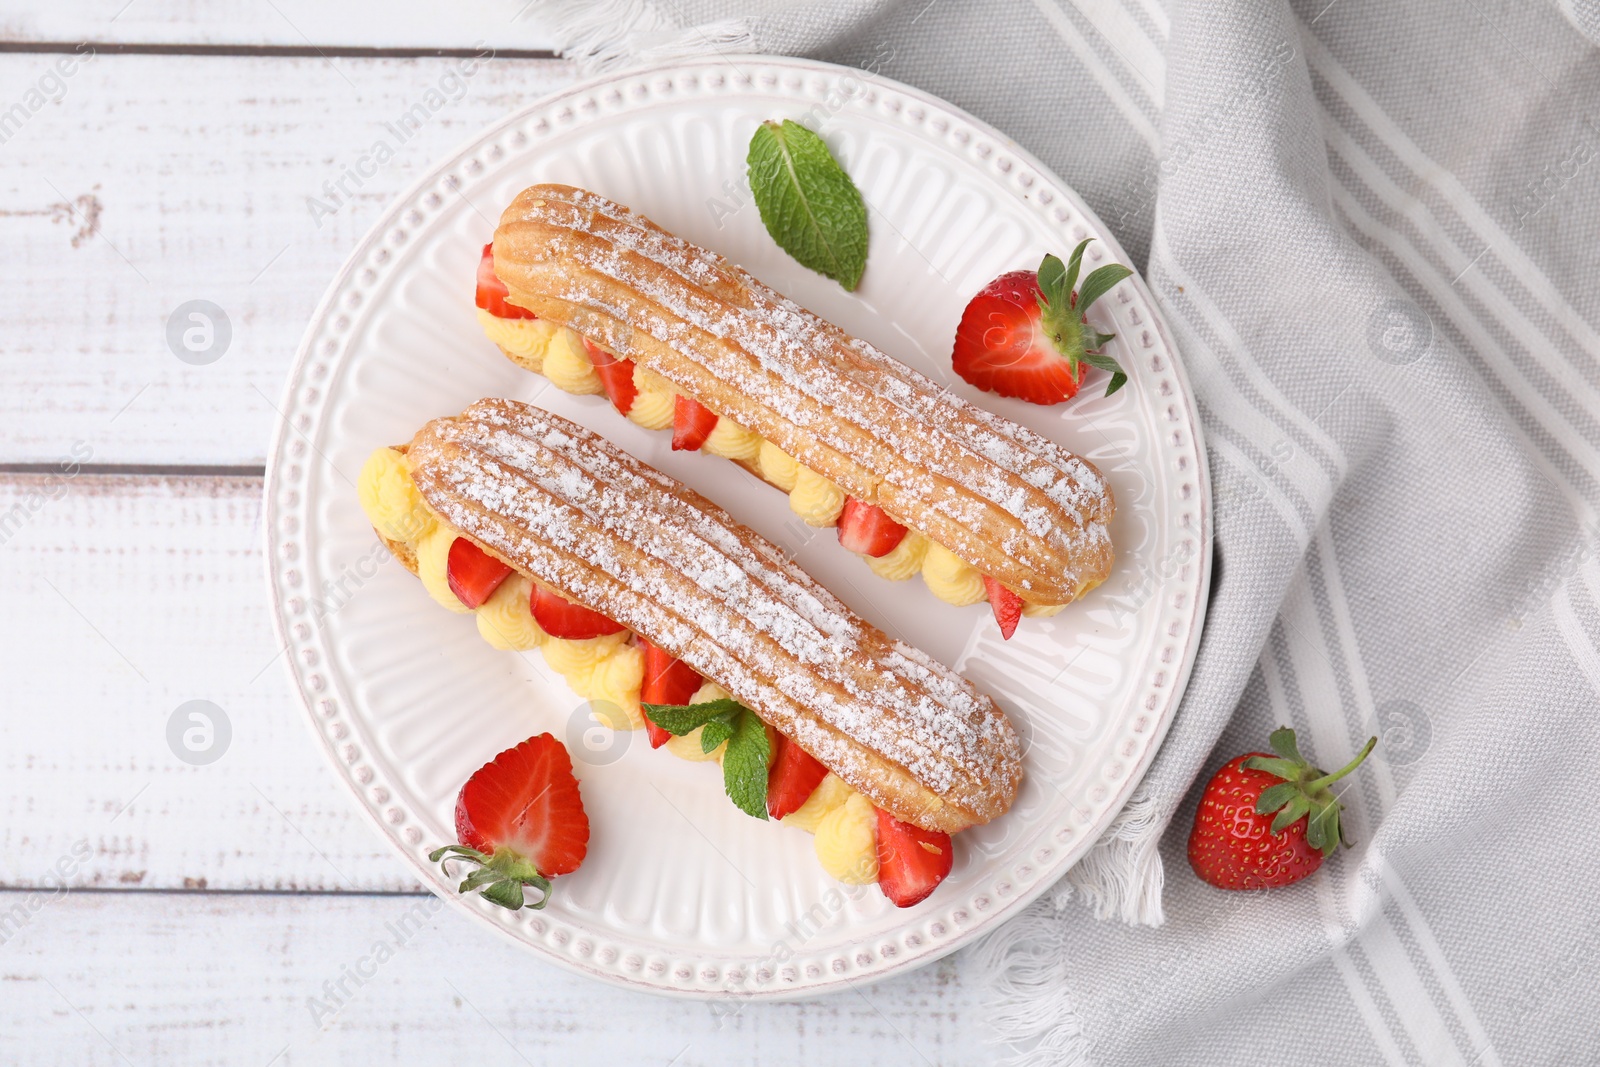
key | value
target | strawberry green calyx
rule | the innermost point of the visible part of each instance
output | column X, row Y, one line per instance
column 1304, row 791
column 1063, row 311
column 501, row 876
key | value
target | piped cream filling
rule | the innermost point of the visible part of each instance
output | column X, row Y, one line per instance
column 559, row 354
column 606, row 671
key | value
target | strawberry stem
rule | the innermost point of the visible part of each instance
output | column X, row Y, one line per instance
column 1328, row 779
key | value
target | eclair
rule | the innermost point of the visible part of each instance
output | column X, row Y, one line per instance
column 665, row 612
column 602, row 301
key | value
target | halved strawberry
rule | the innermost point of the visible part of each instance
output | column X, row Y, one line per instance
column 666, row 681
column 1006, row 604
column 794, row 776
column 1024, row 335
column 692, row 423
column 911, row 861
column 492, row 292
column 560, row 617
column 521, row 818
column 866, row 529
column 473, row 574
column 616, row 374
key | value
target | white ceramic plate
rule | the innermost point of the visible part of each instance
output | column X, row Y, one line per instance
column 681, row 893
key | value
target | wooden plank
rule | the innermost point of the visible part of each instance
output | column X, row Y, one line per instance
column 147, row 984
column 126, row 598
column 287, row 23
column 157, row 180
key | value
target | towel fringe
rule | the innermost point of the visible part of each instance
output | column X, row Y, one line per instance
column 1025, row 966
column 606, row 35
column 1122, row 875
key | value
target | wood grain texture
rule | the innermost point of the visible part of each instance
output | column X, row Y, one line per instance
column 126, row 598
column 211, row 903
column 156, row 180
column 362, row 23
column 218, row 980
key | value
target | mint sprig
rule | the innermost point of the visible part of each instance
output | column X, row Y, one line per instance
column 1063, row 311
column 807, row 202
column 744, row 763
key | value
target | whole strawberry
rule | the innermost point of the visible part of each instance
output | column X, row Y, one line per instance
column 1267, row 820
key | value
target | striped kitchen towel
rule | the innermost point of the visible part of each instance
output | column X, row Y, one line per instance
column 1375, row 231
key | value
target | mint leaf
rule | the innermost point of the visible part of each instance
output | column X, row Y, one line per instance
column 807, row 202
column 744, row 765
column 716, row 731
column 680, row 719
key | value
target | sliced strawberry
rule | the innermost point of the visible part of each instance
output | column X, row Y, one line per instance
column 526, row 802
column 794, row 776
column 616, row 374
column 473, row 574
column 1002, row 347
column 866, row 529
column 560, row 617
column 911, row 861
column 1024, row 335
column 692, row 423
column 1006, row 604
column 492, row 292
column 666, row 681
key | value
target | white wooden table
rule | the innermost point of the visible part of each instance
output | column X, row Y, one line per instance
column 230, row 913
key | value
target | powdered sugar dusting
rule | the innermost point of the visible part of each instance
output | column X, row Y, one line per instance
column 883, row 432
column 625, row 539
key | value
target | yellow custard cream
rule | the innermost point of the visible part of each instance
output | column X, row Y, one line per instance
column 777, row 466
column 567, row 365
column 390, row 498
column 847, row 841
column 830, row 793
column 951, row 578
column 902, row 561
column 731, row 441
column 433, row 556
column 815, row 499
column 652, row 408
column 575, row 659
column 505, row 620
column 612, row 686
column 525, row 340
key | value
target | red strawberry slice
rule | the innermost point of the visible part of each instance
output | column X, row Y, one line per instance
column 1002, row 345
column 560, row 617
column 1024, row 335
column 473, row 574
column 666, row 681
column 692, row 423
column 867, row 529
column 492, row 292
column 1006, row 604
column 526, row 802
column 616, row 374
column 794, row 776
column 911, row 861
